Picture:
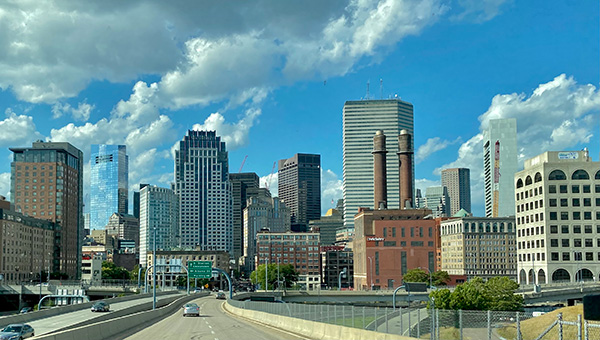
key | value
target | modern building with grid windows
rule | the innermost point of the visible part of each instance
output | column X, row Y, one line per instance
column 204, row 190
column 558, row 218
column 159, row 209
column 361, row 120
column 47, row 183
column 109, row 171
column 458, row 183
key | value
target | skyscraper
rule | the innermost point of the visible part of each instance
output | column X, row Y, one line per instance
column 240, row 183
column 159, row 208
column 300, row 188
column 458, row 183
column 361, row 120
column 109, row 170
column 47, row 183
column 202, row 183
column 499, row 167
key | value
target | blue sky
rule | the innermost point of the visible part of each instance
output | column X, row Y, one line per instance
column 271, row 78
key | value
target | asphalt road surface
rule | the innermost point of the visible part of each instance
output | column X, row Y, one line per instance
column 213, row 324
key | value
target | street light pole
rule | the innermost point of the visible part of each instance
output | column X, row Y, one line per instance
column 343, row 272
column 371, row 265
column 278, row 272
column 154, row 271
column 429, row 272
column 266, row 274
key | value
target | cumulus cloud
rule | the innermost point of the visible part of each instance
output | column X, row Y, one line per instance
column 80, row 113
column 558, row 115
column 17, row 130
column 331, row 190
column 5, row 185
column 271, row 182
column 234, row 135
column 423, row 183
column 430, row 147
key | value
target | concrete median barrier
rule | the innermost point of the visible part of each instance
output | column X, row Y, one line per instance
column 311, row 329
column 116, row 328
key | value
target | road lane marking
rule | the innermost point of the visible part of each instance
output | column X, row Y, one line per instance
column 209, row 326
column 213, row 332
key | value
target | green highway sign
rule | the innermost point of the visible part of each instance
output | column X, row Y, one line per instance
column 200, row 269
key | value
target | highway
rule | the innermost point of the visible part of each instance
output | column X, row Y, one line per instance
column 54, row 323
column 213, row 324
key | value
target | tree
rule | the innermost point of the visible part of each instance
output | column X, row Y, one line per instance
column 495, row 294
column 110, row 271
column 440, row 278
column 416, row 275
column 287, row 276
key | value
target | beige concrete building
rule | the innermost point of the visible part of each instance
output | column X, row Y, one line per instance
column 91, row 268
column 479, row 246
column 219, row 259
column 558, row 218
column 28, row 246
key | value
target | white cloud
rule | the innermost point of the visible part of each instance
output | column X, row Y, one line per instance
column 271, row 182
column 5, row 185
column 331, row 190
column 480, row 10
column 430, row 147
column 558, row 115
column 234, row 135
column 81, row 113
column 17, row 130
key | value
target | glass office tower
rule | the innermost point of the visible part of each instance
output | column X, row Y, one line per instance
column 109, row 170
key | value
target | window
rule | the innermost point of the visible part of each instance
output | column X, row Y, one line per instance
column 589, row 242
column 566, row 256
column 589, row 256
column 575, row 202
column 587, row 202
column 552, row 202
column 575, row 189
column 553, row 216
column 557, row 175
column 577, row 243
column 564, row 202
column 576, row 215
column 563, row 189
column 554, row 242
column 553, row 229
column 564, row 215
column 580, row 174
column 577, row 229
column 588, row 229
column 586, row 189
column 564, row 242
column 564, row 229
column 552, row 189
column 587, row 215
column 554, row 256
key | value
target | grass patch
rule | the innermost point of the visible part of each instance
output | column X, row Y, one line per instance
column 358, row 321
column 446, row 333
column 532, row 328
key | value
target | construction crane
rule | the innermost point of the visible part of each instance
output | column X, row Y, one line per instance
column 268, row 183
column 243, row 162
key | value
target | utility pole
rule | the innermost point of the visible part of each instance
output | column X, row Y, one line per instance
column 154, row 271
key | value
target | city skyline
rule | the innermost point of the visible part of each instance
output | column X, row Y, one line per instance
column 258, row 81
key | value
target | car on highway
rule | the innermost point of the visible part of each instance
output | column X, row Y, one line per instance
column 221, row 296
column 17, row 331
column 191, row 309
column 25, row 310
column 101, row 306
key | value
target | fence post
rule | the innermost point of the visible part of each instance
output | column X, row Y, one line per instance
column 363, row 319
column 578, row 326
column 489, row 319
column 518, row 318
column 401, row 328
column 432, row 322
column 353, row 325
column 437, row 322
column 386, row 320
column 560, row 327
column 334, row 314
column 328, row 315
column 409, row 330
column 343, row 315
column 419, row 323
column 585, row 329
column 375, row 328
column 460, row 323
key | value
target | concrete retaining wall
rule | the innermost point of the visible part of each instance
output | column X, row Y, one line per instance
column 120, row 327
column 24, row 318
column 312, row 329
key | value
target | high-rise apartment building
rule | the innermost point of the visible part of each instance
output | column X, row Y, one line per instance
column 159, row 210
column 109, row 171
column 499, row 167
column 436, row 199
column 136, row 201
column 327, row 226
column 558, row 218
column 240, row 183
column 203, row 186
column 300, row 188
column 458, row 183
column 361, row 119
column 47, row 183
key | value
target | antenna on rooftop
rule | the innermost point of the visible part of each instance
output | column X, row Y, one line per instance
column 368, row 83
column 380, row 88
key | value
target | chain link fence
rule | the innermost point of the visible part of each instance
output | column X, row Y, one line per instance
column 418, row 322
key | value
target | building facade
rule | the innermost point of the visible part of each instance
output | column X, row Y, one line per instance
column 299, row 185
column 479, row 247
column 361, row 119
column 28, row 247
column 437, row 200
column 91, row 269
column 337, row 267
column 262, row 212
column 159, row 213
column 171, row 260
column 302, row 250
column 47, row 183
column 109, row 173
column 558, row 218
column 458, row 183
column 203, row 186
column 327, row 226
column 240, row 183
column 499, row 167
column 125, row 227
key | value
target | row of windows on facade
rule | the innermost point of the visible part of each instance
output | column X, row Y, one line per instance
column 484, row 258
column 288, row 237
column 403, row 231
column 558, row 175
column 577, row 256
column 575, row 215
column 477, row 227
column 529, row 193
column 41, row 167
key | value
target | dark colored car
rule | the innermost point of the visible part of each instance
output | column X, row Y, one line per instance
column 221, row 296
column 16, row 331
column 26, row 310
column 101, row 306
